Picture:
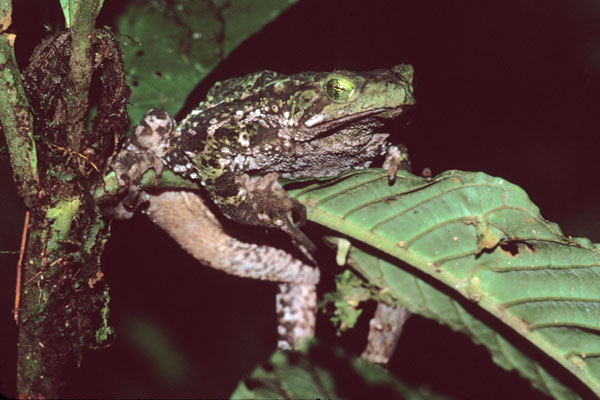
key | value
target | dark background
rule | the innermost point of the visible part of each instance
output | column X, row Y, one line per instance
column 505, row 87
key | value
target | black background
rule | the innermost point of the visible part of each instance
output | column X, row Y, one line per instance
column 505, row 87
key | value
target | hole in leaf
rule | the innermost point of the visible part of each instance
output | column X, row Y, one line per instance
column 511, row 249
column 529, row 247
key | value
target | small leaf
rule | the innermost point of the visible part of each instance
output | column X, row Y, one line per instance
column 69, row 8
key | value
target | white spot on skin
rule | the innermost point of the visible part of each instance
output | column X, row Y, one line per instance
column 263, row 217
column 315, row 119
column 211, row 129
column 243, row 139
column 242, row 194
column 238, row 161
column 289, row 313
column 223, row 162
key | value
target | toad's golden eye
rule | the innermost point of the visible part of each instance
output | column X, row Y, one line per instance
column 339, row 89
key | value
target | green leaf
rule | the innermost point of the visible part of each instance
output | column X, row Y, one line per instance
column 69, row 8
column 169, row 47
column 485, row 241
column 322, row 372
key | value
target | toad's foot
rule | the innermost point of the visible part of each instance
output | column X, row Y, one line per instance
column 142, row 152
column 266, row 203
column 396, row 158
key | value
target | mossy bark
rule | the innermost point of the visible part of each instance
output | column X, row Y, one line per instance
column 64, row 300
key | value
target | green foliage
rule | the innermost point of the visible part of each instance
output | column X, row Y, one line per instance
column 479, row 241
column 164, row 65
column 334, row 375
column 350, row 292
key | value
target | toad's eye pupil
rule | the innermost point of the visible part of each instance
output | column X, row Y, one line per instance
column 339, row 89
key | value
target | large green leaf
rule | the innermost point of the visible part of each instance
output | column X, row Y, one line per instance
column 169, row 47
column 485, row 241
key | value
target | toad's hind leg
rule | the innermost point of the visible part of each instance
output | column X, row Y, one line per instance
column 296, row 306
column 384, row 331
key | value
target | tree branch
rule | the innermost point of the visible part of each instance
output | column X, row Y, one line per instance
column 16, row 118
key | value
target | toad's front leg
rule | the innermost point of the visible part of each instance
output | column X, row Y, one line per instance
column 261, row 201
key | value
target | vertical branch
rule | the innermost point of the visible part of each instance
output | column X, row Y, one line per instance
column 64, row 301
column 81, row 68
column 15, row 115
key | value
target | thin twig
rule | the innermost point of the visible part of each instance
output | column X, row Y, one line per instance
column 40, row 272
column 19, row 268
column 78, row 154
column 32, row 278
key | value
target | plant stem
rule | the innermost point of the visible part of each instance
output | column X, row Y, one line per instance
column 81, row 69
column 15, row 115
